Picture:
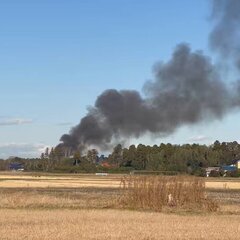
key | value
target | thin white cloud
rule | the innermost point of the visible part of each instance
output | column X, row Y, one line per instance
column 14, row 121
column 64, row 124
column 199, row 138
column 27, row 150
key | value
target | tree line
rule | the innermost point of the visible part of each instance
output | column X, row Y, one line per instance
column 187, row 158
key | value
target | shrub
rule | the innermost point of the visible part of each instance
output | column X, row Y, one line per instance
column 214, row 173
column 200, row 172
column 156, row 192
column 232, row 174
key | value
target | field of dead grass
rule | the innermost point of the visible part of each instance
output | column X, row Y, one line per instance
column 113, row 224
column 223, row 184
column 35, row 180
column 64, row 206
column 56, row 198
column 19, row 180
column 58, row 184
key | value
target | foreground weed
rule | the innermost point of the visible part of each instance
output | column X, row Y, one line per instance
column 157, row 192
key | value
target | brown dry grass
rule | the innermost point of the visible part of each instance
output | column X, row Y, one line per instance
column 58, row 198
column 113, row 224
column 31, row 190
column 157, row 192
column 47, row 180
column 75, row 207
column 58, row 181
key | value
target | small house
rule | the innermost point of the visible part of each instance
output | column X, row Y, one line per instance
column 212, row 169
column 108, row 165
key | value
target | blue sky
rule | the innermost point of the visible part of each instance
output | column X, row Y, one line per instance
column 56, row 56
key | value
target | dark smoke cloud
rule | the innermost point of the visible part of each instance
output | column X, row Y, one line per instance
column 225, row 36
column 185, row 90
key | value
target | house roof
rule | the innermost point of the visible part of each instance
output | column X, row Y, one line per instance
column 16, row 165
column 229, row 168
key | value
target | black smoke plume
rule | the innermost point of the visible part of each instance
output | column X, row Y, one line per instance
column 225, row 36
column 185, row 90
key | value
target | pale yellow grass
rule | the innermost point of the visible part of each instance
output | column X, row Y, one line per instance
column 58, row 184
column 230, row 208
column 23, row 180
column 113, row 224
column 223, row 184
column 78, row 213
column 45, row 176
column 58, row 181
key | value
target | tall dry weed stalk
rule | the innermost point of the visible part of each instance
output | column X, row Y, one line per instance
column 157, row 192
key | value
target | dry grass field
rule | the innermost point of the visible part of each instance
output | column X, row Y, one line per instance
column 113, row 224
column 23, row 180
column 64, row 206
column 20, row 180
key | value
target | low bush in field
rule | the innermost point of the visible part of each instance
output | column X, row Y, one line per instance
column 214, row 173
column 157, row 192
column 82, row 167
column 232, row 174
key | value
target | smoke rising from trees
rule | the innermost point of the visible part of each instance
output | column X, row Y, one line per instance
column 185, row 90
